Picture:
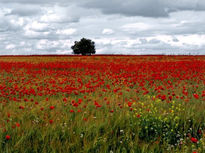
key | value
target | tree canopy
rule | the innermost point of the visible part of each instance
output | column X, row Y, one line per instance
column 84, row 47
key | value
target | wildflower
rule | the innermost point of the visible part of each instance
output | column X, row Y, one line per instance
column 71, row 110
column 50, row 121
column 85, row 119
column 138, row 115
column 163, row 97
column 8, row 137
column 196, row 96
column 129, row 104
column 75, row 104
column 21, row 107
column 81, row 135
column 52, row 107
column 194, row 140
column 17, row 125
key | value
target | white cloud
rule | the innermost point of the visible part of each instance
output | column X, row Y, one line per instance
column 114, row 28
column 36, row 26
column 10, row 46
column 69, row 31
column 107, row 31
column 135, row 27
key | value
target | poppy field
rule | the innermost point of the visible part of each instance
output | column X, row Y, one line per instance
column 111, row 104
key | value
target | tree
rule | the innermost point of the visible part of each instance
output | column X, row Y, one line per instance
column 84, row 47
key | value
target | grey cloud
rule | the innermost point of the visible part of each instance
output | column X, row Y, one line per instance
column 32, row 1
column 6, row 26
column 147, row 27
column 175, row 40
column 25, row 10
column 146, row 8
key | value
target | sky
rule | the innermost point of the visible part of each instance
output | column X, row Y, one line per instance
column 116, row 26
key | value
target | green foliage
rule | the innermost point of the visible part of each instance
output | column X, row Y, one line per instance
column 84, row 47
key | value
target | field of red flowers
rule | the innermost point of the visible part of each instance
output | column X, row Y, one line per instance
column 131, row 104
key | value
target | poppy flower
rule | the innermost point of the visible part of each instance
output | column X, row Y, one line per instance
column 17, row 125
column 196, row 96
column 50, row 121
column 129, row 104
column 194, row 140
column 21, row 107
column 71, row 110
column 8, row 137
column 52, row 107
column 85, row 119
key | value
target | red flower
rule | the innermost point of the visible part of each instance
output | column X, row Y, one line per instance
column 138, row 115
column 8, row 137
column 21, row 107
column 196, row 96
column 75, row 104
column 163, row 97
column 80, row 101
column 111, row 111
column 50, row 121
column 85, row 119
column 52, row 107
column 194, row 140
column 71, row 111
column 17, row 125
column 129, row 104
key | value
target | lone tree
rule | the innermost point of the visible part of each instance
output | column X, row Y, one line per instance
column 84, row 47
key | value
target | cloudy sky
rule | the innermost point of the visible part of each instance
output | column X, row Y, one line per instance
column 116, row 26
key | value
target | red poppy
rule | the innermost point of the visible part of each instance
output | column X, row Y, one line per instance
column 17, row 125
column 52, row 107
column 8, row 137
column 85, row 119
column 196, row 96
column 71, row 110
column 194, row 140
column 21, row 107
column 129, row 104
